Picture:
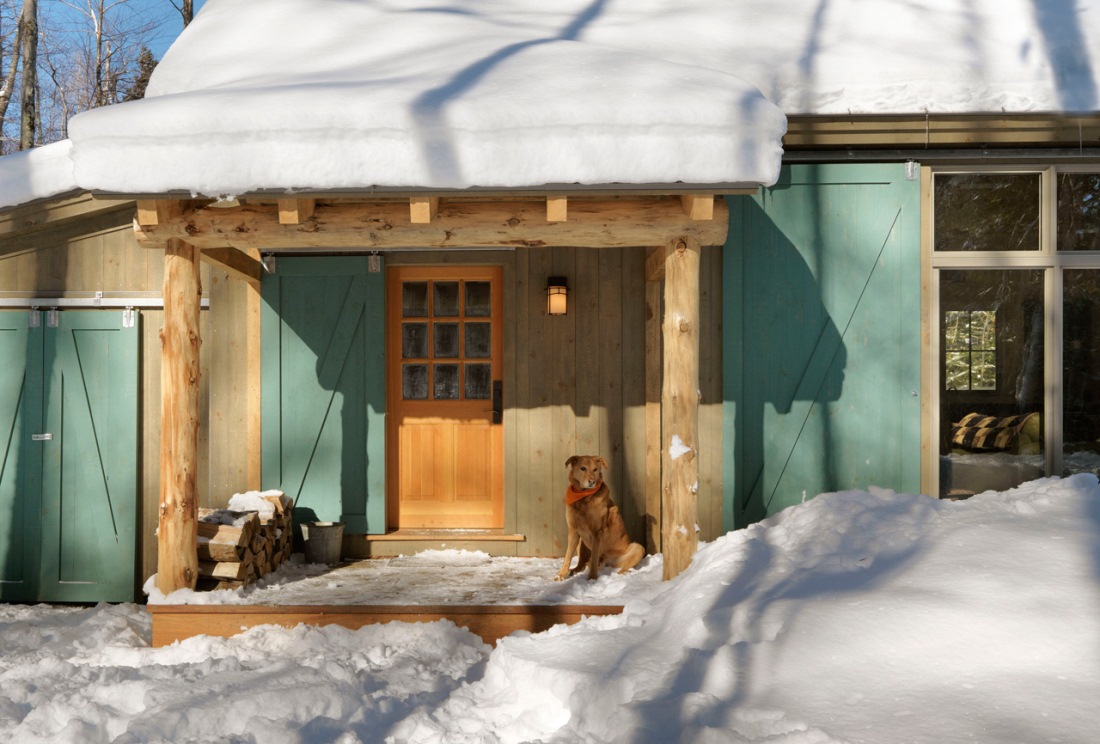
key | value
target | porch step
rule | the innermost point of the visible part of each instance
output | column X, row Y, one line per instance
column 491, row 622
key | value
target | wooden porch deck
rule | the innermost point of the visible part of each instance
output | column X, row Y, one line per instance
column 492, row 597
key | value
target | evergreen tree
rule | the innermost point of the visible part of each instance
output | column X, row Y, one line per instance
column 146, row 64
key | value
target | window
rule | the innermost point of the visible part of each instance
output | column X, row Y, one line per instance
column 971, row 349
column 1015, row 260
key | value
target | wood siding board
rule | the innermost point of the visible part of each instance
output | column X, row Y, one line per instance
column 633, row 389
column 710, row 388
column 563, row 397
column 511, row 294
column 520, row 405
column 610, row 333
column 591, row 350
column 542, row 484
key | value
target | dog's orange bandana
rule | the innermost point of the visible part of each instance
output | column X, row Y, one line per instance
column 572, row 495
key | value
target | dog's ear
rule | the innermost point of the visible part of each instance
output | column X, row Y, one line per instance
column 571, row 461
column 601, row 464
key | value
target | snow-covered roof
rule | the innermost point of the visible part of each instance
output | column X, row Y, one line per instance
column 356, row 94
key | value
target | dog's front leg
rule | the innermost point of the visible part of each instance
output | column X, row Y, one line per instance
column 574, row 542
column 596, row 558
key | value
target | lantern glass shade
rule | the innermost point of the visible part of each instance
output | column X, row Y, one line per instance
column 557, row 292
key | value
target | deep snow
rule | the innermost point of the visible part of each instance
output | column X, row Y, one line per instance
column 855, row 617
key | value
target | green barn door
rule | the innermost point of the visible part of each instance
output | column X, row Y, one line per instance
column 18, row 512
column 70, row 495
column 324, row 390
column 821, row 337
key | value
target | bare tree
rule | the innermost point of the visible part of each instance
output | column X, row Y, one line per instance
column 186, row 9
column 28, row 100
column 8, row 87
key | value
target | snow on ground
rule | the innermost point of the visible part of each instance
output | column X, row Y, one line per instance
column 855, row 617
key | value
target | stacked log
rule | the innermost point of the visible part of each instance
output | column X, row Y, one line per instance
column 237, row 548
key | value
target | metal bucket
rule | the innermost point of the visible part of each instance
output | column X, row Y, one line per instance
column 323, row 541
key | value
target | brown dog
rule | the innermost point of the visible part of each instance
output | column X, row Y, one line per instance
column 594, row 522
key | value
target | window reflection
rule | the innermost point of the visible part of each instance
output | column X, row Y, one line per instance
column 987, row 211
column 1081, row 371
column 992, row 361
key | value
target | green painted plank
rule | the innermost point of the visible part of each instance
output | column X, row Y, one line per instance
column 18, row 505
column 821, row 337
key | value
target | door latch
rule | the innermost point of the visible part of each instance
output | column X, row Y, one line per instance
column 498, row 402
column 42, row 437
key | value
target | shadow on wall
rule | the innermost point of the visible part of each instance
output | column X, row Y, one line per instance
column 788, row 361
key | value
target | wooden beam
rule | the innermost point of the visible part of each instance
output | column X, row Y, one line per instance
column 600, row 223
column 557, row 208
column 237, row 264
column 680, row 407
column 153, row 212
column 423, row 209
column 698, row 206
column 295, row 211
column 177, row 536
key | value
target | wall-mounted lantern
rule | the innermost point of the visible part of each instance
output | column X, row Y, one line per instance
column 557, row 292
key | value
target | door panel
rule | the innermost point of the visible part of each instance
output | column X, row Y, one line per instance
column 822, row 337
column 445, row 352
column 68, row 473
column 18, row 521
column 89, row 472
column 323, row 417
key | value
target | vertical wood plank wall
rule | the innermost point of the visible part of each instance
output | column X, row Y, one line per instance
column 109, row 260
column 574, row 384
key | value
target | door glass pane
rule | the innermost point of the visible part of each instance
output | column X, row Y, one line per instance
column 414, row 340
column 478, row 382
column 446, row 299
column 1079, row 212
column 1081, row 371
column 446, row 340
column 446, row 382
column 991, row 406
column 414, row 381
column 478, row 303
column 987, row 211
column 414, row 299
column 479, row 337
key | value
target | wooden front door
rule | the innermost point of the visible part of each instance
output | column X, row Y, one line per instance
column 445, row 444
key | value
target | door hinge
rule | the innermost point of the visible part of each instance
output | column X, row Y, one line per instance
column 374, row 263
column 268, row 262
column 51, row 318
column 128, row 318
column 47, row 437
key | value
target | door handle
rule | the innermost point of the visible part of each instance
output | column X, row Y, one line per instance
column 498, row 401
column 42, row 437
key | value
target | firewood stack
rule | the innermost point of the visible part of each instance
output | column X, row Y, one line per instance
column 239, row 546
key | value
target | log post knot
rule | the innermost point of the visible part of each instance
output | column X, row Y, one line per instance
column 681, row 247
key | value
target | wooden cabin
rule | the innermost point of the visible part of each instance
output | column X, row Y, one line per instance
column 391, row 359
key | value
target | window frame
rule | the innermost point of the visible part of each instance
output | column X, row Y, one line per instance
column 1047, row 258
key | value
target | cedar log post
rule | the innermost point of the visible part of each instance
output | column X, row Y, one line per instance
column 680, row 406
column 177, row 557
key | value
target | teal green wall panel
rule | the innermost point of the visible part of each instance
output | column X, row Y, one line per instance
column 89, row 472
column 68, row 504
column 324, row 390
column 821, row 334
